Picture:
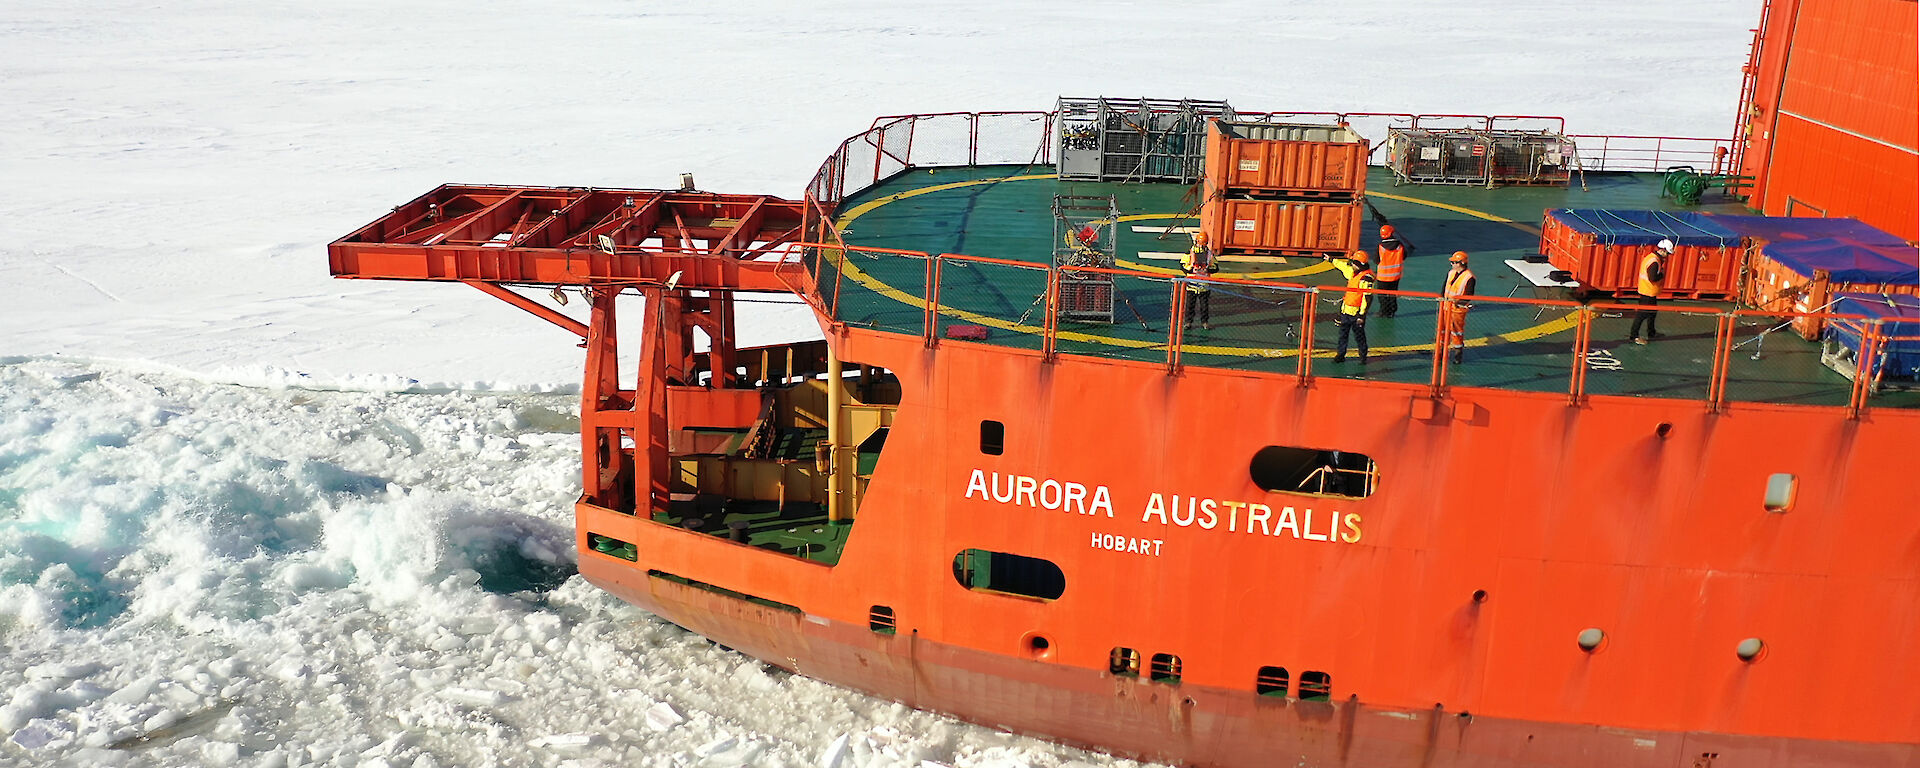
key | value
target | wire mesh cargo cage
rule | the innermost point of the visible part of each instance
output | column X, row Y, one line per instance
column 1084, row 236
column 1487, row 158
column 1102, row 139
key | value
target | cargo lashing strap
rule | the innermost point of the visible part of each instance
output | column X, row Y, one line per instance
column 1671, row 231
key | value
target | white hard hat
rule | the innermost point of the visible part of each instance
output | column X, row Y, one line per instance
column 1666, row 245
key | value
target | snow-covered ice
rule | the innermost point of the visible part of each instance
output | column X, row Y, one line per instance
column 250, row 515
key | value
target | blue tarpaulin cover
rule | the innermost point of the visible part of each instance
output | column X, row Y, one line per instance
column 1850, row 250
column 1899, row 356
column 1611, row 227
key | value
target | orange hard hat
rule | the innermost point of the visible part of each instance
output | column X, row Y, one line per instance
column 1459, row 257
column 1386, row 230
column 1360, row 256
column 1200, row 237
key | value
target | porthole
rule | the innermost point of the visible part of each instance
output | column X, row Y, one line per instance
column 1781, row 490
column 993, row 438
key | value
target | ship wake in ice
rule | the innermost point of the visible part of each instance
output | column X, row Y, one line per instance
column 195, row 573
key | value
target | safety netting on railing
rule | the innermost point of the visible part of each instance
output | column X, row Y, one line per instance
column 999, row 302
column 1519, row 344
column 959, row 139
column 1656, row 351
column 891, row 285
column 1684, row 352
column 1116, row 314
column 1243, row 325
column 1768, row 362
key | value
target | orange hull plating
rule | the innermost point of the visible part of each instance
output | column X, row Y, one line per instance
column 1567, row 518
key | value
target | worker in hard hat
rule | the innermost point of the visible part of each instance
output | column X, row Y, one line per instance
column 1653, row 271
column 1198, row 263
column 1393, row 256
column 1353, row 304
column 1453, row 308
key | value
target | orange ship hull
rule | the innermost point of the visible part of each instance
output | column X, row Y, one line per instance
column 1559, row 517
column 1194, row 724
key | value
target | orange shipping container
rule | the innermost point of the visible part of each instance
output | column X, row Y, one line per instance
column 1283, row 226
column 1603, row 250
column 1327, row 161
column 1778, row 287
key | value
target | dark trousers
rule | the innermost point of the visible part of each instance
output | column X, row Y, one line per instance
column 1389, row 303
column 1200, row 303
column 1356, row 325
column 1644, row 316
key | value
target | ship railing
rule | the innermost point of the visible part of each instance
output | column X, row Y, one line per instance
column 1711, row 355
column 1339, row 480
column 896, row 144
column 899, row 143
column 1652, row 153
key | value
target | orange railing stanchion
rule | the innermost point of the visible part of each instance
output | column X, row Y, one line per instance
column 1722, row 361
column 1050, row 330
column 1582, row 343
column 1176, row 326
column 1867, row 365
column 937, row 265
column 1309, row 307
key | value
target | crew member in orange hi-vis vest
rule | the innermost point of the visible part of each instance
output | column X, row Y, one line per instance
column 1393, row 257
column 1453, row 309
column 1653, row 270
column 1353, row 304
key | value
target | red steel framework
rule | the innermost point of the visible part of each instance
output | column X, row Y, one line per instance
column 685, row 252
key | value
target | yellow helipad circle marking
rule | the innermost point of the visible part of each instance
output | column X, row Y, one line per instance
column 853, row 271
column 1317, row 266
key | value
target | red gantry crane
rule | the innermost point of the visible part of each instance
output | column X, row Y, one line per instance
column 685, row 252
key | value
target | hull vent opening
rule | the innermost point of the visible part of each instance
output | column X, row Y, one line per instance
column 1009, row 574
column 880, row 619
column 1124, row 662
column 1311, row 471
column 1166, row 668
column 1271, row 681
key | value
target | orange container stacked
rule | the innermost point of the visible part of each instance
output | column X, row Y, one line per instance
column 1284, row 188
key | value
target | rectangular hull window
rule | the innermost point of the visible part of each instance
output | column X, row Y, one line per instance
column 1314, row 472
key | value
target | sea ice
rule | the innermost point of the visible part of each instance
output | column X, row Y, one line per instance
column 41, row 733
column 661, row 717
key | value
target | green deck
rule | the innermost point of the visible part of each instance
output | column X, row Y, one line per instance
column 800, row 529
column 1003, row 212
